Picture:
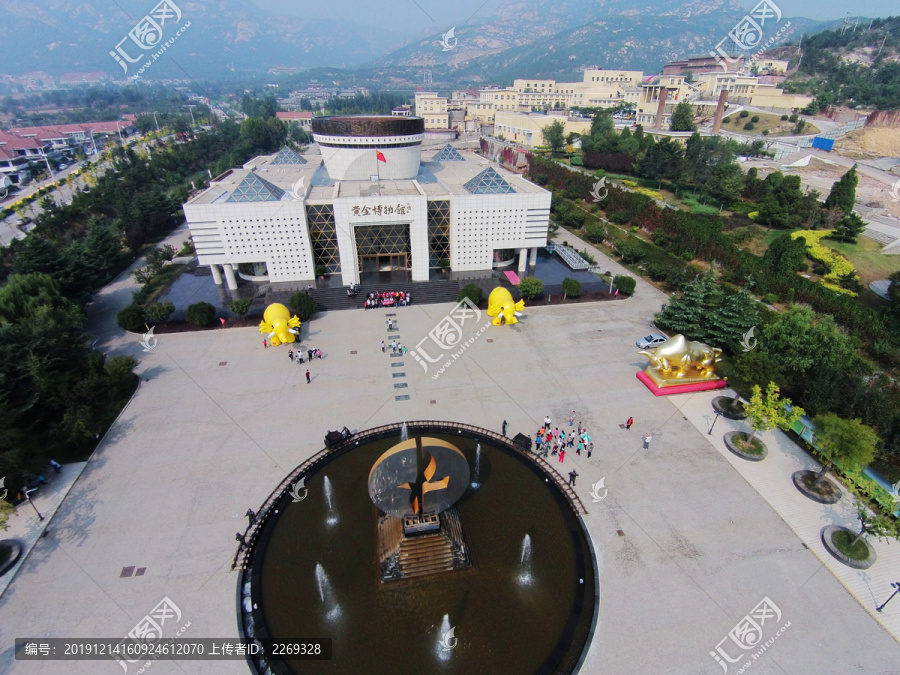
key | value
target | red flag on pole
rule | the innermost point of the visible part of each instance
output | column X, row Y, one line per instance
column 380, row 156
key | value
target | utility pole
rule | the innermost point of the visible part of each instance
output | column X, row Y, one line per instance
column 156, row 120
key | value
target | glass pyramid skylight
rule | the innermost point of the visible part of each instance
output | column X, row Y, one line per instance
column 287, row 156
column 488, row 182
column 255, row 189
column 448, row 154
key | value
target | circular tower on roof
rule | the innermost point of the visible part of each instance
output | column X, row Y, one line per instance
column 360, row 147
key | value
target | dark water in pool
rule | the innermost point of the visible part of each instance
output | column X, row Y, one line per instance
column 501, row 625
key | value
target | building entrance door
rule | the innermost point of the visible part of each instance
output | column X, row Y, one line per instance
column 383, row 262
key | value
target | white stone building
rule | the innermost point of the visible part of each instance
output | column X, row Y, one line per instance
column 366, row 198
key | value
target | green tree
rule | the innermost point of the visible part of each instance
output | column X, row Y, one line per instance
column 843, row 192
column 554, row 136
column 131, row 318
column 683, row 118
column 662, row 160
column 6, row 510
column 159, row 312
column 471, row 291
column 728, row 323
column 726, row 184
column 849, row 228
column 571, row 287
column 530, row 287
column 624, row 283
column 688, row 312
column 767, row 411
column 785, row 255
column 881, row 525
column 894, row 293
column 303, row 305
column 201, row 314
column 849, row 443
column 24, row 295
column 240, row 306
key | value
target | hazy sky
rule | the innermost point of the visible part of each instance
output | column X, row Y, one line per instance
column 428, row 14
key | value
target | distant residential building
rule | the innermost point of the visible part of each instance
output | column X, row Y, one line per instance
column 433, row 109
column 650, row 112
column 13, row 166
column 769, row 66
column 81, row 79
column 526, row 129
column 401, row 111
column 303, row 118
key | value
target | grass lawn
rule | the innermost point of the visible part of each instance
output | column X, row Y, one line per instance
column 842, row 541
column 867, row 258
column 767, row 121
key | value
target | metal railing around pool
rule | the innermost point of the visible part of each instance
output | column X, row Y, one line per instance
column 241, row 557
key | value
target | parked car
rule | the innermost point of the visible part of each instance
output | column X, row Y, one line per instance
column 651, row 341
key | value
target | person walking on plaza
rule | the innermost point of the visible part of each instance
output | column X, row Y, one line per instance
column 590, row 449
column 562, row 456
column 291, row 355
column 56, row 465
column 629, row 423
column 382, row 346
column 318, row 353
column 547, row 421
column 537, row 442
column 504, row 427
column 265, row 345
column 572, row 418
column 572, row 476
column 571, row 440
column 580, row 445
column 307, row 377
column 647, row 438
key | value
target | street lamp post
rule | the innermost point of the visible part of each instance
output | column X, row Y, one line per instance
column 156, row 120
column 28, row 499
column 896, row 586
column 191, row 110
column 709, row 433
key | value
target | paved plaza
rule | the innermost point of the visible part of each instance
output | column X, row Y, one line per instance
column 688, row 541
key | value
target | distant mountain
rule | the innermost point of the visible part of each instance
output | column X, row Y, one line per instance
column 529, row 44
column 225, row 36
column 535, row 38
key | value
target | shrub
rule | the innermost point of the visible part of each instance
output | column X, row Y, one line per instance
column 749, row 126
column 624, row 283
column 159, row 312
column 571, row 287
column 726, row 120
column 754, row 119
column 303, row 305
column 471, row 291
column 793, row 118
column 576, row 160
column 201, row 314
column 530, row 287
column 802, row 268
column 765, row 132
column 821, row 270
column 770, row 298
column 784, row 118
column 744, row 113
column 687, row 255
column 631, row 252
column 240, row 306
column 131, row 318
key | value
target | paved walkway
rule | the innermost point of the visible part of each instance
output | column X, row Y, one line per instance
column 685, row 546
column 25, row 524
column 771, row 478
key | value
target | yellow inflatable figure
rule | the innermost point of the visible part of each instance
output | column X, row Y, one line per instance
column 278, row 325
column 502, row 307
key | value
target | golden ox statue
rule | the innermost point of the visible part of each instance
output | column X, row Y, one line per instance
column 681, row 358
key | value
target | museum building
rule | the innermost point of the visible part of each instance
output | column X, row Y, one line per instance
column 366, row 198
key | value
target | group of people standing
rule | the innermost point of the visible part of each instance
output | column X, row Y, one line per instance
column 310, row 355
column 388, row 299
column 555, row 441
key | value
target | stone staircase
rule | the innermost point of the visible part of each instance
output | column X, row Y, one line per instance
column 425, row 555
column 331, row 299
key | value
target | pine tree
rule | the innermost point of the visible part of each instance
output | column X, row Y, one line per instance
column 728, row 324
column 683, row 118
column 843, row 192
column 849, row 228
column 689, row 313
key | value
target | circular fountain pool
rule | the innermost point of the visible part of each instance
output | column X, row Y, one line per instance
column 525, row 605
